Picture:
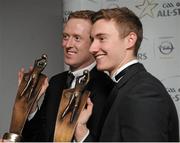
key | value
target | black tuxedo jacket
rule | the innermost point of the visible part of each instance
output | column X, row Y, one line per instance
column 42, row 126
column 142, row 110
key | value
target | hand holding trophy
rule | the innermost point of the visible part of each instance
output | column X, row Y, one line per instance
column 30, row 87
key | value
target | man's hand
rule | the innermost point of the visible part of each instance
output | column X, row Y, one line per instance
column 81, row 128
column 2, row 141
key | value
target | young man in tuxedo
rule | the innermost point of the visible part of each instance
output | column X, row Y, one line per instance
column 76, row 42
column 139, row 108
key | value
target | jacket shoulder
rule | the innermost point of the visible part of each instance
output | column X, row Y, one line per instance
column 101, row 79
column 58, row 78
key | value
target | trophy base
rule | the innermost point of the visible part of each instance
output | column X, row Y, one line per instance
column 12, row 137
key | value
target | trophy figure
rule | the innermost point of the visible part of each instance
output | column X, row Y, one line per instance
column 72, row 103
column 27, row 95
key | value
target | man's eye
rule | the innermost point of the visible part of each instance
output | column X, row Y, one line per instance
column 65, row 37
column 101, row 38
column 77, row 38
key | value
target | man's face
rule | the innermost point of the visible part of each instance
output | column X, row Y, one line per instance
column 107, row 47
column 76, row 43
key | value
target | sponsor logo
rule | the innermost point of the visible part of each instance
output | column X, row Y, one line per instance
column 143, row 51
column 169, row 9
column 173, row 87
column 175, row 93
column 146, row 8
column 142, row 56
column 153, row 9
column 166, row 47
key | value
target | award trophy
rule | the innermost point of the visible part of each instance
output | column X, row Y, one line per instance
column 72, row 103
column 27, row 95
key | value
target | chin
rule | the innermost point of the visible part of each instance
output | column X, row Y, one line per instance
column 100, row 68
column 69, row 61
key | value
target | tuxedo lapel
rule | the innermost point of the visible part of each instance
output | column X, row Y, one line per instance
column 133, row 69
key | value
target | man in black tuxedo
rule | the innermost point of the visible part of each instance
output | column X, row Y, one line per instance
column 76, row 42
column 139, row 107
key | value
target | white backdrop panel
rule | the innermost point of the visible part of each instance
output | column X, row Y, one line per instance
column 159, row 51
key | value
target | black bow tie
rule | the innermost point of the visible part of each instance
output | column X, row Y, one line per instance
column 123, row 72
column 70, row 78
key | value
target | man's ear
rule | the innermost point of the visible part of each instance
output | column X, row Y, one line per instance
column 132, row 38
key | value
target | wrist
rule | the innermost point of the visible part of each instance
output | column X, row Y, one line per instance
column 81, row 132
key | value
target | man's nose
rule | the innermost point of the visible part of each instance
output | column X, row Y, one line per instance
column 69, row 42
column 93, row 48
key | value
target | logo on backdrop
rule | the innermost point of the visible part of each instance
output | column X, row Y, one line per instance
column 173, row 87
column 145, row 53
column 158, row 9
column 169, row 9
column 164, row 47
column 146, row 8
column 66, row 14
column 142, row 56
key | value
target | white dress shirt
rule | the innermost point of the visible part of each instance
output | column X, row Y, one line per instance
column 80, row 72
column 122, row 68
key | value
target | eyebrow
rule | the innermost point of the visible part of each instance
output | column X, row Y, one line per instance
column 74, row 35
column 101, row 34
column 65, row 33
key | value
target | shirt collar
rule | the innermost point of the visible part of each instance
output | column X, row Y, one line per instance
column 80, row 72
column 122, row 68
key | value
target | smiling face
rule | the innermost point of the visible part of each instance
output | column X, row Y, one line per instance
column 76, row 43
column 110, row 50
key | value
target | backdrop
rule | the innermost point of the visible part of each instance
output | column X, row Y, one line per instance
column 159, row 51
column 28, row 28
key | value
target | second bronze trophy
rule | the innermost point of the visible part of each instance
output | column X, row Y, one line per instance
column 72, row 103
